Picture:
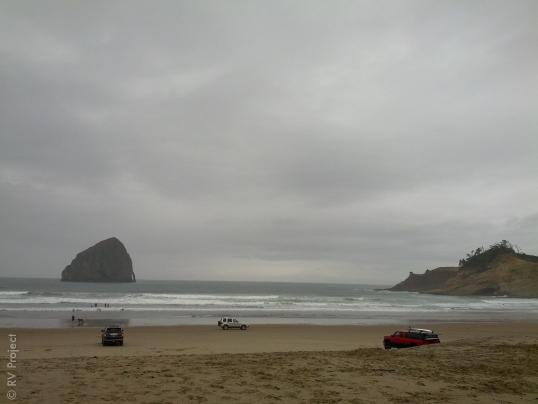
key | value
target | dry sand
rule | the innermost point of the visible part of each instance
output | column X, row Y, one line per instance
column 482, row 363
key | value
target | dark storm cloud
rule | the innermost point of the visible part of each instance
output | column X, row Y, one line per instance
column 328, row 141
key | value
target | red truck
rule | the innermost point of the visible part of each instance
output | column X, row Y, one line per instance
column 409, row 338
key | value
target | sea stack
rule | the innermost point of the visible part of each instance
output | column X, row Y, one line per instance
column 106, row 261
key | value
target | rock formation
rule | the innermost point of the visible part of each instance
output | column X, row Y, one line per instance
column 430, row 280
column 106, row 261
column 498, row 271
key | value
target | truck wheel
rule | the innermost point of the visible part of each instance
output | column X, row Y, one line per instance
column 225, row 327
column 243, row 327
column 386, row 345
column 121, row 343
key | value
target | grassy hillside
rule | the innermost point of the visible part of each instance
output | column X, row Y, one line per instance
column 492, row 272
column 507, row 275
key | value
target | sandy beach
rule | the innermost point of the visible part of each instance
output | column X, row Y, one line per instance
column 482, row 363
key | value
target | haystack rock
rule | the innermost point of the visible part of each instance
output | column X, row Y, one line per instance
column 106, row 261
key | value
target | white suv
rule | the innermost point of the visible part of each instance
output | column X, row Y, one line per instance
column 228, row 322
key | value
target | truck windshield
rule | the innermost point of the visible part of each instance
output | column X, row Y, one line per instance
column 114, row 330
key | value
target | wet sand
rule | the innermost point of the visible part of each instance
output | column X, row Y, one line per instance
column 483, row 363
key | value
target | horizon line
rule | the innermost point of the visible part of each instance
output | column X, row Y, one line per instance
column 201, row 280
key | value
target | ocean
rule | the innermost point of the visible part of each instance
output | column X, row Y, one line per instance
column 31, row 302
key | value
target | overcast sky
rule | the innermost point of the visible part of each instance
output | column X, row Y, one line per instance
column 331, row 141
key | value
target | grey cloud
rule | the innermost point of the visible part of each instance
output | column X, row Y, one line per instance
column 267, row 140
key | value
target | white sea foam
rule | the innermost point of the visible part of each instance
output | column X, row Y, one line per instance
column 62, row 301
column 13, row 293
column 292, row 300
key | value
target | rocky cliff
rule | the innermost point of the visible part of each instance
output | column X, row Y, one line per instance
column 106, row 261
column 430, row 280
column 500, row 272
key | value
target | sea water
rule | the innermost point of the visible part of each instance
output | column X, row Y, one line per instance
column 32, row 302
